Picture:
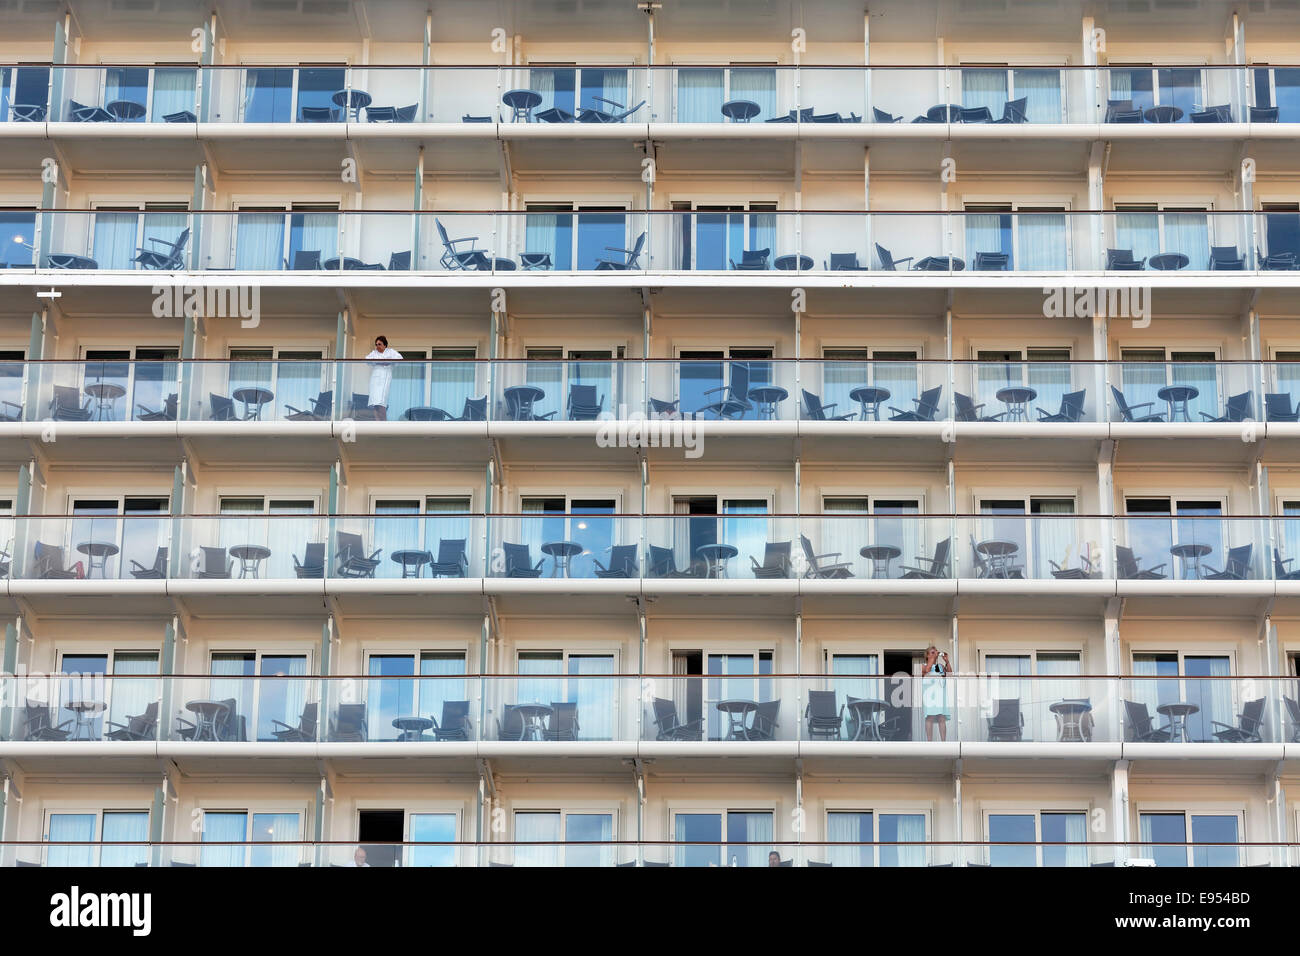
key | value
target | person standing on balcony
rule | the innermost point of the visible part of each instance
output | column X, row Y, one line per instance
column 934, row 692
column 381, row 360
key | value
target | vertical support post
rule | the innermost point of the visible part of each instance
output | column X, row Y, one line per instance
column 418, row 200
column 198, row 202
column 157, row 822
column 1092, row 77
column 1119, row 810
column 866, row 203
column 866, row 62
column 342, row 382
column 959, row 828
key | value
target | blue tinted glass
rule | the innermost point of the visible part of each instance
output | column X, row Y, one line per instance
column 317, row 86
column 432, row 828
column 1288, row 95
column 598, row 234
column 1165, row 828
column 1214, row 829
column 390, row 698
column 1012, row 828
column 17, row 237
column 704, row 828
column 267, row 95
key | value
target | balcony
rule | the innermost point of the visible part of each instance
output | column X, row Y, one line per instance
column 609, row 853
column 582, row 98
column 607, row 715
column 766, row 246
column 666, row 396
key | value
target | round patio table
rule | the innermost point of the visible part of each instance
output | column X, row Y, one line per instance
column 866, row 712
column 1169, row 261
column 412, row 561
column 332, row 264
column 1190, row 555
column 736, row 711
column 254, row 398
column 740, row 111
column 534, row 717
column 561, row 552
column 1163, row 114
column 250, row 557
column 352, row 101
column 206, row 714
column 521, row 103
column 999, row 554
column 939, row 264
column 1017, row 399
column 125, row 110
column 106, row 395
column 767, row 397
column 85, row 710
column 425, row 413
column 536, row 261
column 1072, row 715
column 944, row 113
column 869, row 399
column 880, row 555
column 789, row 263
column 520, row 399
column 1178, row 711
column 98, row 552
column 716, row 557
column 67, row 260
column 1178, row 396
column 411, row 728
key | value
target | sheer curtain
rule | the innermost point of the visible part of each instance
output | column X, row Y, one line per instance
column 1011, row 684
column 1050, row 379
column 548, row 375
column 115, row 239
column 387, row 694
column 596, row 697
column 536, row 689
column 1041, row 242
column 298, row 377
column 542, row 828
column 448, row 518
column 1203, row 376
column 125, row 827
column 1056, row 539
column 259, row 245
column 845, row 685
column 223, row 828
column 1189, row 233
column 448, row 668
column 849, row 828
column 588, row 828
column 844, row 535
column 74, row 828
column 752, row 828
column 281, row 693
column 132, row 695
column 315, row 232
column 699, row 96
column 762, row 231
column 757, row 86
column 455, row 379
column 232, row 678
column 986, row 87
column 1076, row 831
column 166, row 227
column 1139, row 231
column 983, row 234
column 843, row 370
column 1041, row 90
column 173, row 92
column 270, row 829
column 902, row 828
column 1055, row 666
column 542, row 235
column 1212, row 696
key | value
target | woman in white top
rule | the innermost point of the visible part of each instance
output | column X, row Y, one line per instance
column 934, row 692
column 381, row 361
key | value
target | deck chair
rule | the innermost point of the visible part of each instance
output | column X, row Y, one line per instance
column 1015, row 111
column 554, row 115
column 1280, row 570
column 138, row 727
column 1126, row 563
column 216, row 563
column 975, row 114
column 1212, row 114
column 751, row 260
column 670, row 726
column 1071, row 408
column 1247, row 728
column 776, row 561
column 306, row 260
column 927, row 406
column 583, row 405
column 510, row 725
column 935, row 567
column 322, row 407
column 844, row 262
column 1264, row 114
column 66, row 405
column 1007, row 723
column 815, row 411
column 1236, row 568
column 765, row 721
column 663, row 564
column 735, row 395
column 563, row 724
column 475, row 410
column 349, row 724
column 455, row 723
column 887, row 260
column 1121, row 260
column 880, row 116
column 616, row 115
column 630, row 258
column 1122, row 111
column 168, row 256
column 354, row 562
column 1132, row 413
column 834, row 570
column 991, row 262
column 519, row 561
column 825, row 722
column 965, row 410
column 452, row 561
column 1138, row 727
column 622, row 563
column 154, row 572
column 223, row 408
column 81, row 113
column 456, row 256
column 400, row 261
column 49, row 563
column 1293, row 710
column 1238, row 408
column 1277, row 407
column 1225, row 258
column 165, row 414
column 304, row 732
column 313, row 561
column 318, row 114
column 37, row 724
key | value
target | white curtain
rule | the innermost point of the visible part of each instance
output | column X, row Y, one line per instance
column 1012, row 683
column 166, row 227
column 1212, row 695
column 453, row 382
column 909, row 828
column 543, row 82
column 1139, row 231
column 131, row 696
column 849, row 828
column 1041, row 242
column 843, row 666
column 74, row 828
column 317, row 232
column 983, row 234
column 613, row 87
column 699, row 96
column 115, row 238
column 757, row 86
column 1051, row 691
column 1041, row 90
column 447, row 668
column 538, row 689
column 173, row 92
column 1055, row 539
column 1076, row 831
column 1189, row 233
column 259, row 245
column 543, row 828
column 596, row 697
column 840, row 376
column 987, row 87
column 298, row 377
column 223, row 828
column 753, row 828
column 549, row 377
column 280, row 697
column 1204, row 377
column 270, row 829
column 845, row 534
column 231, row 678
column 125, row 827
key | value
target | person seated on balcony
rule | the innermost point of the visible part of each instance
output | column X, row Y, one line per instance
column 774, row 859
column 381, row 361
column 934, row 692
column 359, row 857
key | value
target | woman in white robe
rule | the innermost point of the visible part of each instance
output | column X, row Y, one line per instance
column 381, row 360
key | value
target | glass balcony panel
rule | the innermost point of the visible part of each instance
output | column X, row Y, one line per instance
column 584, row 543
